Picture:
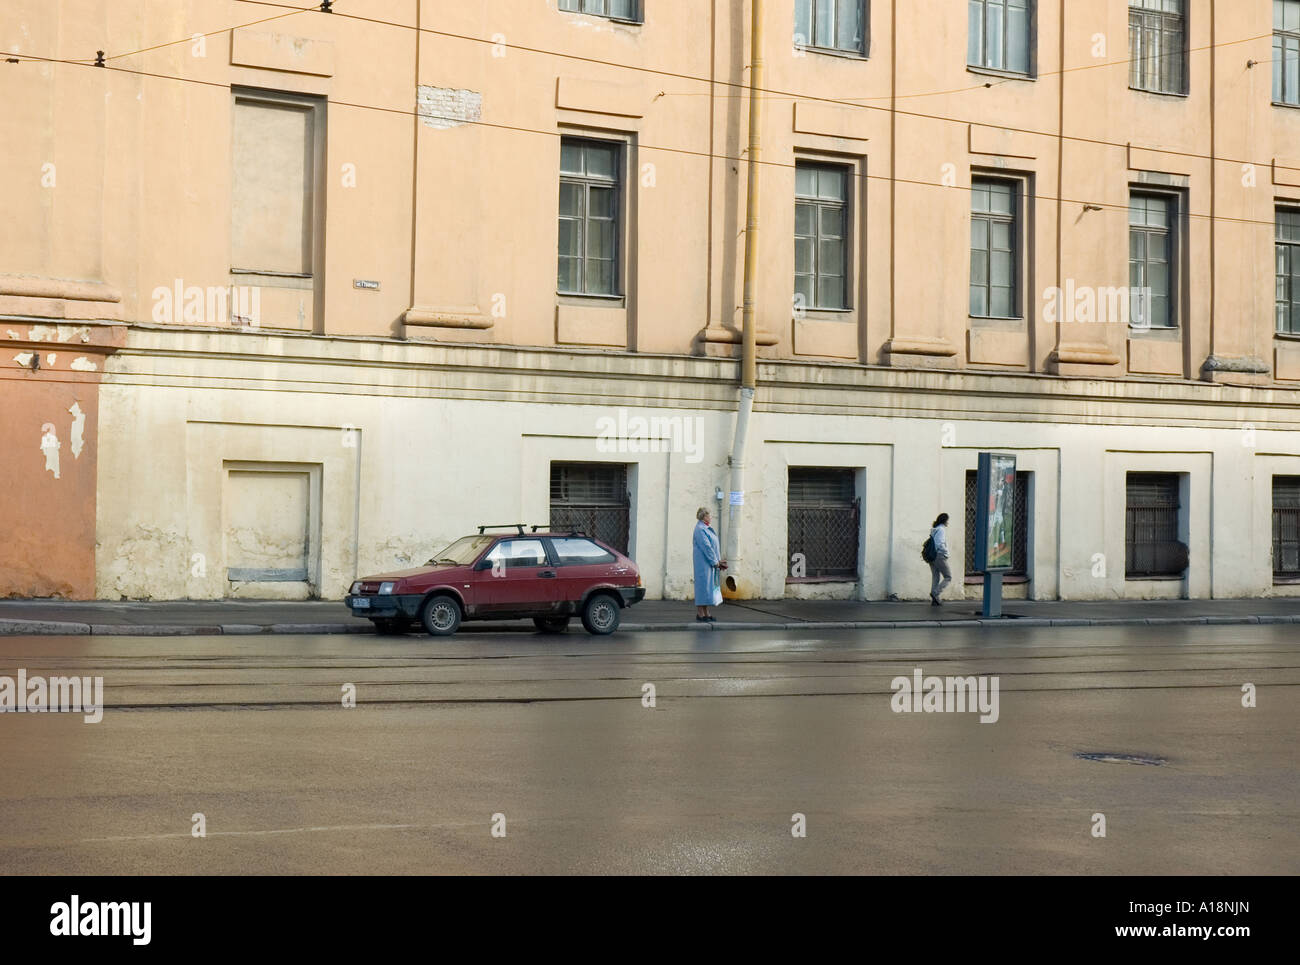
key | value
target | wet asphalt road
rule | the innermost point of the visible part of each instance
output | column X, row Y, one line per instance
column 748, row 728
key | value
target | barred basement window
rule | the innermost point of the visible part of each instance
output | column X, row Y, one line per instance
column 822, row 517
column 1151, row 544
column 1286, row 529
column 1020, row 539
column 591, row 498
column 1157, row 46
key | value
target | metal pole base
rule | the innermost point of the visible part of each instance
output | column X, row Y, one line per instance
column 993, row 596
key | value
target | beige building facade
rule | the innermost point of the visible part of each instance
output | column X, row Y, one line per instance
column 330, row 289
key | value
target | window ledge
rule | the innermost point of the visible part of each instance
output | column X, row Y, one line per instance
column 1169, row 333
column 1286, row 580
column 1292, row 107
column 822, row 579
column 995, row 72
column 1153, row 578
column 977, row 579
column 1287, row 336
column 832, row 52
column 997, row 318
column 578, row 298
column 1160, row 93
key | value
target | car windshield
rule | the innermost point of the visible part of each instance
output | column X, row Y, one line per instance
column 464, row 550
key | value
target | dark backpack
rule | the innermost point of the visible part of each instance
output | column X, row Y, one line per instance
column 927, row 550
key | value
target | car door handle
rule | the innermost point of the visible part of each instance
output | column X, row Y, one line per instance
column 547, row 574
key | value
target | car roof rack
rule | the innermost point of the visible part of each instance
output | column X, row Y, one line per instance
column 515, row 526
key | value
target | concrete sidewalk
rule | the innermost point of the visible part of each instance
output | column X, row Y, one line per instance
column 205, row 617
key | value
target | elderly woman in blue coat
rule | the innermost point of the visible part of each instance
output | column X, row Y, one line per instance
column 708, row 567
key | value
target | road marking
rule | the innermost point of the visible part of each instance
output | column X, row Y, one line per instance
column 213, row 834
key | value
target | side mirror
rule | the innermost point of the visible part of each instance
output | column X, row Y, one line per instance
column 483, row 564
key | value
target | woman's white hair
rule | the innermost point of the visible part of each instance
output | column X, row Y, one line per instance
column 702, row 512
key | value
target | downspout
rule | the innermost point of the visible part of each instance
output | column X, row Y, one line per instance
column 737, row 584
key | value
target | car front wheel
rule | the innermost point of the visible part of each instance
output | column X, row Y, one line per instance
column 441, row 616
column 600, row 616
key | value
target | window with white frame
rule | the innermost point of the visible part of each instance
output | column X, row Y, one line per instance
column 994, row 248
column 1286, row 52
column 821, row 235
column 589, row 216
column 1157, row 41
column 998, row 34
column 1152, row 275
column 1287, row 249
column 831, row 24
column 614, row 9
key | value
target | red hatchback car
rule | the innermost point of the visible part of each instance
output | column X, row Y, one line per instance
column 547, row 576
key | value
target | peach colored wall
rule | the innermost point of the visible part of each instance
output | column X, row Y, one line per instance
column 457, row 222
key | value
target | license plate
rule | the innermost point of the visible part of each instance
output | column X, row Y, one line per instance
column 360, row 603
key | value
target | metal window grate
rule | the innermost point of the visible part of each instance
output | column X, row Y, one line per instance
column 591, row 498
column 1286, row 527
column 1151, row 544
column 1020, row 539
column 822, row 519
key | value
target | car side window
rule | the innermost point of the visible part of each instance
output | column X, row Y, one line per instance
column 573, row 550
column 514, row 553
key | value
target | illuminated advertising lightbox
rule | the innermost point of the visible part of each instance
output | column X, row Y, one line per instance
column 995, row 516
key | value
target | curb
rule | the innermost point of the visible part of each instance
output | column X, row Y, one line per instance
column 57, row 628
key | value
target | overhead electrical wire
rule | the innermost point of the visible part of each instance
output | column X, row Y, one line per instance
column 891, row 178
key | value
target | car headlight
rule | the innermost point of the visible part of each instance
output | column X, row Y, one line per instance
column 356, row 588
column 386, row 588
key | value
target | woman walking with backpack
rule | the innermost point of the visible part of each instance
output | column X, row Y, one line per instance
column 940, row 574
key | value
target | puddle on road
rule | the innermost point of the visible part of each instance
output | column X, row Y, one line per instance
column 1110, row 758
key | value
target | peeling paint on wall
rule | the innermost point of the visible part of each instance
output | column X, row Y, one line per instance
column 78, row 429
column 82, row 364
column 24, row 359
column 50, row 445
column 444, row 107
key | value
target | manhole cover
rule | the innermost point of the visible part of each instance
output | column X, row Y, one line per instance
column 1110, row 758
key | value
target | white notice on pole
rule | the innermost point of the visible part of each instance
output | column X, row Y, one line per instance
column 737, row 499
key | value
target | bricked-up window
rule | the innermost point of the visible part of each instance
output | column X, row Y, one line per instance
column 1157, row 46
column 821, row 228
column 614, row 9
column 1286, row 528
column 1287, row 249
column 822, row 523
column 1151, row 544
column 274, row 183
column 589, row 216
column 1286, row 52
column 994, row 248
column 1152, row 274
column 591, row 498
column 830, row 24
column 1020, row 538
column 998, row 34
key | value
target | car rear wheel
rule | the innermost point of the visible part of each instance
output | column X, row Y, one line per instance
column 441, row 616
column 551, row 624
column 600, row 616
column 390, row 625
